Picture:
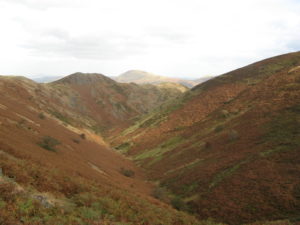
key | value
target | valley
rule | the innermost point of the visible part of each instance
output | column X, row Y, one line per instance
column 86, row 149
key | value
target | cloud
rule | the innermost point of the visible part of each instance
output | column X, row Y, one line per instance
column 57, row 33
column 167, row 37
column 59, row 43
column 168, row 34
column 44, row 4
column 294, row 45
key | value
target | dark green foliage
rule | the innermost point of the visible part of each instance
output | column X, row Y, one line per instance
column 49, row 143
column 124, row 146
column 219, row 128
column 127, row 172
column 178, row 203
column 61, row 117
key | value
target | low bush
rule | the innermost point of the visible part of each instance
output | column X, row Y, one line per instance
column 49, row 143
column 42, row 116
column 178, row 203
column 219, row 128
column 63, row 118
column 124, row 146
column 127, row 172
column 76, row 141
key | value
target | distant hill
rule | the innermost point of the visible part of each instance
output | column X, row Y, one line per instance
column 109, row 103
column 142, row 77
column 46, row 79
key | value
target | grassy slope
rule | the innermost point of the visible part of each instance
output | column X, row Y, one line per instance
column 100, row 103
column 71, row 177
column 230, row 148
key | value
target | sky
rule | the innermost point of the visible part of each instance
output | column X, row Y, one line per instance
column 178, row 38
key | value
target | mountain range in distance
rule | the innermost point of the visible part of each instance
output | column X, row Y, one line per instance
column 142, row 77
column 138, row 77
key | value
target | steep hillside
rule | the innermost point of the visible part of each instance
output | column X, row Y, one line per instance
column 97, row 102
column 53, row 172
column 142, row 77
column 229, row 148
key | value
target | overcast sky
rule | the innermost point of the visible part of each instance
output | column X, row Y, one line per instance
column 181, row 38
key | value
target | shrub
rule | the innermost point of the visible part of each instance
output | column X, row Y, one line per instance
column 89, row 213
column 61, row 117
column 42, row 116
column 127, row 172
column 82, row 136
column 76, row 141
column 49, row 143
column 178, row 203
column 219, row 128
column 124, row 146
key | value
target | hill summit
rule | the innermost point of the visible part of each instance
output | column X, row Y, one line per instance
column 142, row 77
column 84, row 78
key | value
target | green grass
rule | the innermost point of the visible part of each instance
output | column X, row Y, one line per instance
column 157, row 152
column 61, row 117
column 278, row 66
column 124, row 147
column 193, row 164
column 225, row 174
column 2, row 203
column 283, row 132
column 273, row 150
column 186, row 167
column 189, row 187
column 26, row 206
column 155, row 117
column 98, row 129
